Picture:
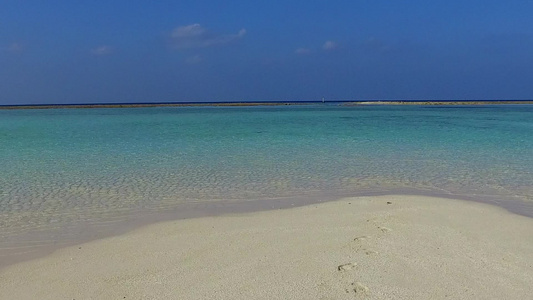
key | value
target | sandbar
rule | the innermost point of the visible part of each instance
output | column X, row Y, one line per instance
column 380, row 247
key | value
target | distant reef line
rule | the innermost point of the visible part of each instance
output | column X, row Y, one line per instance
column 133, row 105
column 266, row 103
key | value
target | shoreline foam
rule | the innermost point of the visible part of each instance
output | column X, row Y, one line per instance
column 404, row 247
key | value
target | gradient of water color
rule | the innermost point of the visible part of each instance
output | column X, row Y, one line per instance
column 62, row 168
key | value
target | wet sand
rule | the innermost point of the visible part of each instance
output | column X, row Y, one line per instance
column 383, row 247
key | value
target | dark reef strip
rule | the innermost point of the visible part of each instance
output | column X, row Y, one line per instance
column 133, row 105
column 277, row 103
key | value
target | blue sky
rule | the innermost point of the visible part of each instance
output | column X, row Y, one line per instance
column 143, row 51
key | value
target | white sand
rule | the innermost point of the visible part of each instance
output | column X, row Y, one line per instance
column 414, row 248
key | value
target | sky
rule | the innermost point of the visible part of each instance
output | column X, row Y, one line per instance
column 57, row 52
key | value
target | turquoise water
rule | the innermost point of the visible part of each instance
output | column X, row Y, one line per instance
column 62, row 168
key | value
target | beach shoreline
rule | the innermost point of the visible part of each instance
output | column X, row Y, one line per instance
column 26, row 249
column 337, row 249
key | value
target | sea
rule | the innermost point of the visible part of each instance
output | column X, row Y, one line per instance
column 70, row 175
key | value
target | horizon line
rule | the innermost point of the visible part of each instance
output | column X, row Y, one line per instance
column 260, row 102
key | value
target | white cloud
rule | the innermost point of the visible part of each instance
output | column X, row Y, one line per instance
column 102, row 50
column 193, row 30
column 329, row 45
column 302, row 51
column 195, row 59
column 195, row 36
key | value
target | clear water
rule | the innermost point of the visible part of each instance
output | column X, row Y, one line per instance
column 62, row 168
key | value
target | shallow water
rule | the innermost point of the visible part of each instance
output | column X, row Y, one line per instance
column 64, row 169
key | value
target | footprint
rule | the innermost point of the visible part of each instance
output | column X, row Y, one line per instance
column 370, row 252
column 358, row 242
column 360, row 289
column 361, row 238
column 346, row 267
column 384, row 229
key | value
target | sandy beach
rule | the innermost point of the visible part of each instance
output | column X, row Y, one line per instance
column 386, row 247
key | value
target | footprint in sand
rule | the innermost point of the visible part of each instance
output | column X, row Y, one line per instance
column 347, row 267
column 361, row 238
column 359, row 242
column 384, row 229
column 360, row 289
